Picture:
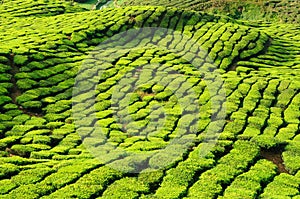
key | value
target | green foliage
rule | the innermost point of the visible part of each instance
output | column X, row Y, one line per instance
column 41, row 139
column 41, row 56
column 126, row 187
column 42, row 154
column 291, row 156
column 20, row 59
column 178, row 179
column 27, row 191
column 6, row 185
column 31, row 176
column 288, row 132
column 4, row 142
column 32, row 104
column 288, row 185
column 21, row 118
column 27, row 97
column 20, row 129
column 7, row 170
column 22, row 150
column 267, row 142
column 4, row 100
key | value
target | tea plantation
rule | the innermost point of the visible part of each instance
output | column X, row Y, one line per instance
column 265, row 10
column 73, row 126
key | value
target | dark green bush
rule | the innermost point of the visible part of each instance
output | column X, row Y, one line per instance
column 4, row 100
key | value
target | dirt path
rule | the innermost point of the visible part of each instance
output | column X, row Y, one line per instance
column 276, row 157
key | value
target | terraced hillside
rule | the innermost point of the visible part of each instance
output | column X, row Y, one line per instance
column 266, row 10
column 36, row 8
column 146, row 102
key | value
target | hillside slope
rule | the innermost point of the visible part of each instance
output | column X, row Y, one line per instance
column 37, row 8
column 240, row 79
column 284, row 11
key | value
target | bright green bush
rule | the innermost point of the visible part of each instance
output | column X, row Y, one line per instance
column 27, row 191
column 7, row 170
column 32, row 104
column 288, row 132
column 21, row 118
column 41, row 139
column 27, row 97
column 22, row 150
column 127, row 187
column 6, row 186
column 178, row 179
column 284, row 182
column 291, row 157
column 20, row 59
column 235, row 127
column 256, row 122
column 31, row 176
column 9, row 140
column 20, row 129
column 267, row 142
column 42, row 154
